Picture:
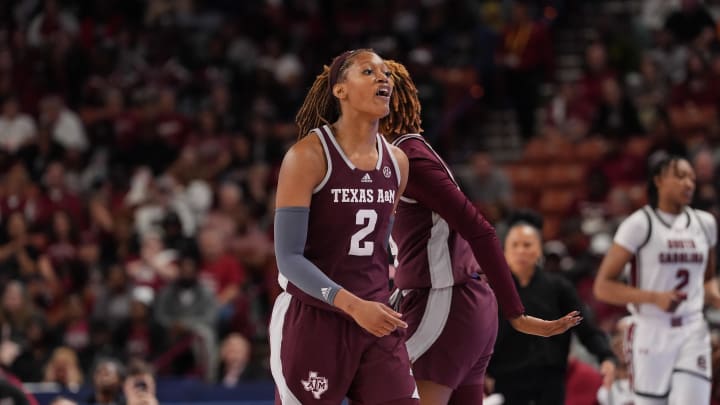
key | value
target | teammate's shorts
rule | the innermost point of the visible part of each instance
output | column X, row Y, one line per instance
column 320, row 357
column 659, row 347
column 452, row 332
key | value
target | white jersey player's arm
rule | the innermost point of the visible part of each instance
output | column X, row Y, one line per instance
column 629, row 238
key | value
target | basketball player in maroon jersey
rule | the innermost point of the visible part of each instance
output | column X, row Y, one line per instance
column 332, row 335
column 443, row 242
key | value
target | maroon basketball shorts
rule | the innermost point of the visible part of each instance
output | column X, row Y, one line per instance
column 451, row 332
column 321, row 357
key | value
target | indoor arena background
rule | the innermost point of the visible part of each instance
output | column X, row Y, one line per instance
column 137, row 136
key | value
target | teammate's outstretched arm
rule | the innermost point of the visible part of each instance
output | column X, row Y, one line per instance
column 531, row 325
column 303, row 168
column 432, row 187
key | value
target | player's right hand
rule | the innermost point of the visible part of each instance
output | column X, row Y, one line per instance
column 535, row 326
column 668, row 301
column 377, row 318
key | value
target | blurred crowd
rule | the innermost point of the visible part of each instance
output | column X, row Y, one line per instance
column 140, row 142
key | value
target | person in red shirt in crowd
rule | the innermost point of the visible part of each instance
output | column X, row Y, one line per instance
column 169, row 126
column 596, row 72
column 58, row 197
column 700, row 87
column 222, row 273
column 526, row 52
column 582, row 383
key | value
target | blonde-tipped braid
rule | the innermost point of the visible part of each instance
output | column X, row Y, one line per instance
column 404, row 117
column 319, row 106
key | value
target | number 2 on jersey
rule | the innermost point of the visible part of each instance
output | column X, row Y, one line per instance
column 683, row 276
column 358, row 247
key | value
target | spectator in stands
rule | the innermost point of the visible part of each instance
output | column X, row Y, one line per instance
column 173, row 236
column 569, row 112
column 230, row 215
column 156, row 265
column 699, row 89
column 112, row 302
column 153, row 199
column 36, row 351
column 38, row 155
column 648, row 90
column 169, row 126
column 140, row 336
column 689, row 22
column 669, row 55
column 101, row 345
column 65, row 271
column 221, row 271
column 706, row 184
column 488, row 186
column 108, row 377
column 63, row 369
column 16, row 129
column 235, row 353
column 74, row 327
column 59, row 196
column 597, row 71
column 187, row 309
column 616, row 117
column 18, row 256
column 664, row 137
column 64, row 125
column 527, row 55
column 139, row 387
column 16, row 313
column 49, row 23
column 653, row 13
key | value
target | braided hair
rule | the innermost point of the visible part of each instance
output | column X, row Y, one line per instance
column 404, row 117
column 660, row 162
column 320, row 106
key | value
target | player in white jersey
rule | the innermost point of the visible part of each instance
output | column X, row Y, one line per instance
column 670, row 249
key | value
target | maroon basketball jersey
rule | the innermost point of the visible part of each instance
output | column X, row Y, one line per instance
column 430, row 253
column 349, row 216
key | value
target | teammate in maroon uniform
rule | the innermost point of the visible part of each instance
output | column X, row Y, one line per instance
column 331, row 334
column 441, row 237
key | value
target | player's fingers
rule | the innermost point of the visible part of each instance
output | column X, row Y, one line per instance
column 573, row 314
column 386, row 330
column 391, row 311
column 394, row 318
column 390, row 325
column 376, row 332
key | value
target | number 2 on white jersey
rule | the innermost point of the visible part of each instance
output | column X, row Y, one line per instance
column 358, row 247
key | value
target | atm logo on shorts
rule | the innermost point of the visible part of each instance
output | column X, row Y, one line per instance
column 315, row 384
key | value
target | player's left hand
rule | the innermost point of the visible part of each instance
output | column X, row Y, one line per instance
column 607, row 369
column 535, row 326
